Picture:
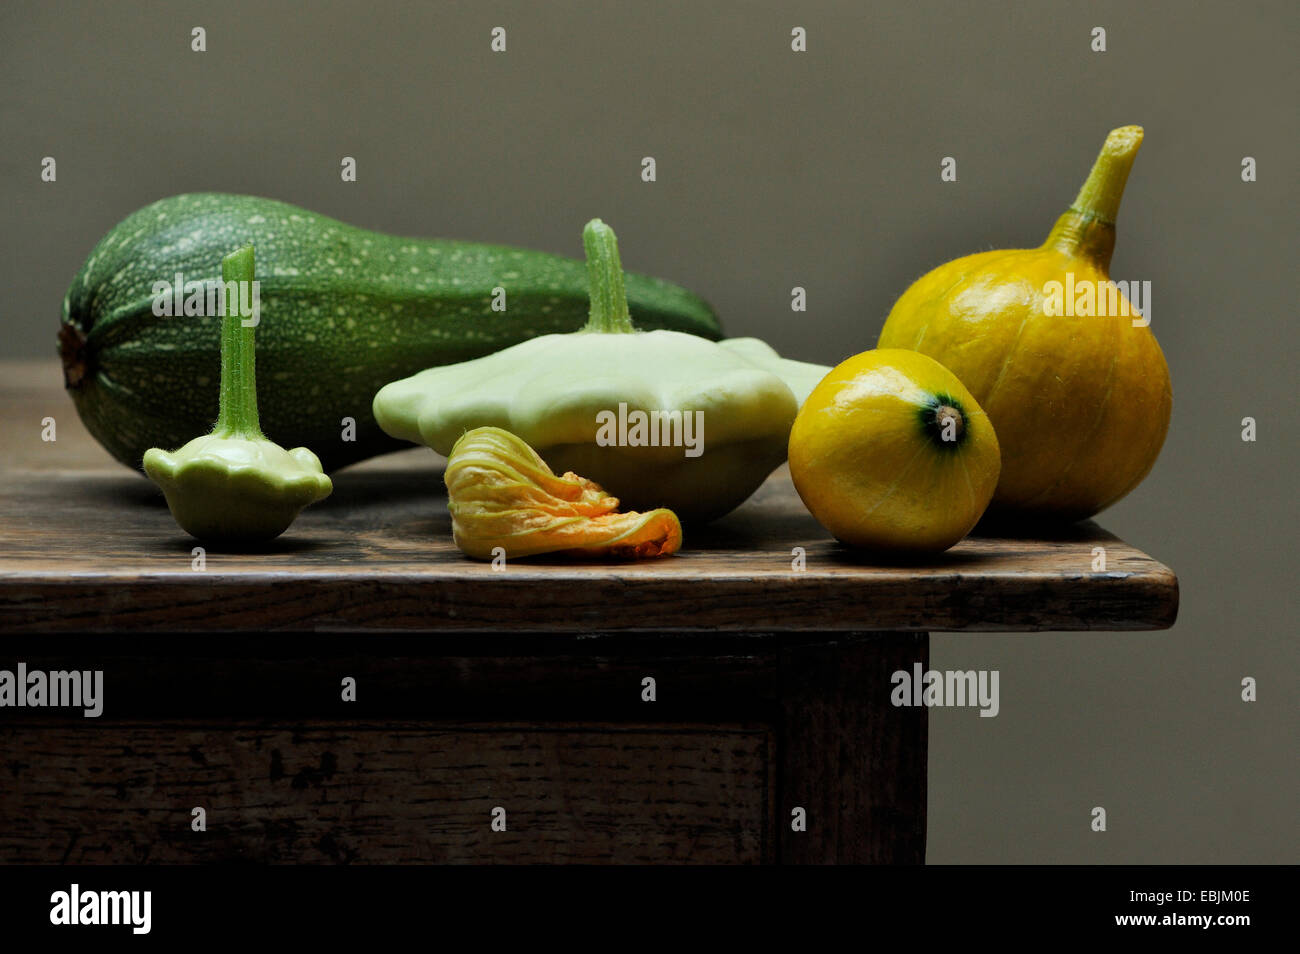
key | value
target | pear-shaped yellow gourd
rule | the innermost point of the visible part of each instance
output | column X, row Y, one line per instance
column 1066, row 368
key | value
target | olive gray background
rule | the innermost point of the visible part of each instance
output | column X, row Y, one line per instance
column 818, row 169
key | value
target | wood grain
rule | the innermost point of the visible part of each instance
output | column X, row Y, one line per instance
column 87, row 546
column 177, row 714
column 364, row 793
column 856, row 763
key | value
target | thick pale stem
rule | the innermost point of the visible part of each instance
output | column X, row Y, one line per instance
column 237, row 416
column 1104, row 188
column 1087, row 228
column 609, row 312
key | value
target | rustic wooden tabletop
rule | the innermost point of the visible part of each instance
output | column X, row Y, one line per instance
column 86, row 545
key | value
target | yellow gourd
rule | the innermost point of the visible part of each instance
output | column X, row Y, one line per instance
column 1080, row 402
column 891, row 453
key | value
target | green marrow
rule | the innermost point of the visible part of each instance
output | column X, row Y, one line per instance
column 343, row 311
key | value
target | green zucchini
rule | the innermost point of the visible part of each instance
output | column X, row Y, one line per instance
column 344, row 311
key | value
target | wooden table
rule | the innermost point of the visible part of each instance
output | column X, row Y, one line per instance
column 522, row 689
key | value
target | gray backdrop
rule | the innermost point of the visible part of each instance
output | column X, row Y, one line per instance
column 818, row 169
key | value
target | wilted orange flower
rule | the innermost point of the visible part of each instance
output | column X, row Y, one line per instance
column 502, row 494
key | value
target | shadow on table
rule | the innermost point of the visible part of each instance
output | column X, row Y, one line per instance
column 1013, row 527
column 361, row 489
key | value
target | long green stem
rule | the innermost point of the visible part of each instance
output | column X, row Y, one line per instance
column 609, row 312
column 237, row 416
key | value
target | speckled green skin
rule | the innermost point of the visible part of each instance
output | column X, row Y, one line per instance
column 344, row 311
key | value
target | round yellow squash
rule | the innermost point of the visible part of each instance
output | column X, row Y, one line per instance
column 1080, row 401
column 891, row 453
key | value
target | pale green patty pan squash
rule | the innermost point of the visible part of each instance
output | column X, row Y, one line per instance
column 560, row 393
column 233, row 485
